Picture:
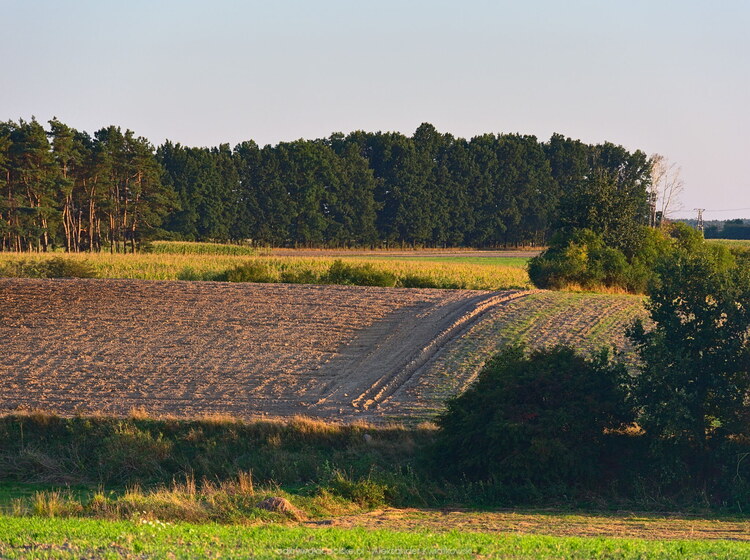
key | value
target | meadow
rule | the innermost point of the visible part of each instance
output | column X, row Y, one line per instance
column 116, row 488
column 34, row 538
column 740, row 247
column 739, row 243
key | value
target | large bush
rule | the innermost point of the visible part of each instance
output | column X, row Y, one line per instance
column 581, row 259
column 542, row 419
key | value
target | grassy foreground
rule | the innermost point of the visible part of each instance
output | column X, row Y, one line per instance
column 75, row 538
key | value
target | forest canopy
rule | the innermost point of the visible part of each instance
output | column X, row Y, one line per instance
column 64, row 188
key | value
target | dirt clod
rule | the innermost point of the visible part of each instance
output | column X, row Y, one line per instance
column 282, row 506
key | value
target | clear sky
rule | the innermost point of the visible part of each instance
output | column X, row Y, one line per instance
column 663, row 76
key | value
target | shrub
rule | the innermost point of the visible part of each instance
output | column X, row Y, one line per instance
column 416, row 281
column 304, row 276
column 252, row 272
column 542, row 418
column 364, row 491
column 358, row 275
column 189, row 273
column 581, row 258
column 56, row 267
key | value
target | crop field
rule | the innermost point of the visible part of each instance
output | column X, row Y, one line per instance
column 732, row 243
column 465, row 270
column 34, row 538
column 588, row 322
column 337, row 352
column 737, row 246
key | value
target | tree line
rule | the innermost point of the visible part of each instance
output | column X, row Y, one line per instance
column 111, row 191
column 727, row 229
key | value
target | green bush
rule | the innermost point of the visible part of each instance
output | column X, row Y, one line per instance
column 56, row 267
column 545, row 419
column 189, row 273
column 364, row 491
column 580, row 258
column 416, row 281
column 358, row 275
column 304, row 276
column 252, row 272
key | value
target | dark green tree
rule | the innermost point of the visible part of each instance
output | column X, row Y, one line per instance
column 32, row 184
column 692, row 388
column 603, row 188
column 247, row 162
column 6, row 190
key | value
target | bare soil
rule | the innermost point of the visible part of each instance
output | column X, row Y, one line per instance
column 342, row 353
column 192, row 348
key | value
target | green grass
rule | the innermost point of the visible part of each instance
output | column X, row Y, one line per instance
column 741, row 243
column 111, row 451
column 736, row 246
column 36, row 538
column 515, row 262
column 200, row 471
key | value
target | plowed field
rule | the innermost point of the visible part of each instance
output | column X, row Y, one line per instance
column 194, row 348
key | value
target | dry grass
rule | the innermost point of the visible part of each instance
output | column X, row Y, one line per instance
column 599, row 289
column 236, row 500
column 623, row 524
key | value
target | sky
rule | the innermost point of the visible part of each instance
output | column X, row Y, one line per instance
column 662, row 76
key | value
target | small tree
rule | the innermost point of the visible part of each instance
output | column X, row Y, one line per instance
column 665, row 189
column 692, row 390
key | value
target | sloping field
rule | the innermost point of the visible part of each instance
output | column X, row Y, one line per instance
column 588, row 322
column 192, row 348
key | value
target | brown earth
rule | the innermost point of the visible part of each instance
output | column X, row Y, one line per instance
column 342, row 353
column 192, row 348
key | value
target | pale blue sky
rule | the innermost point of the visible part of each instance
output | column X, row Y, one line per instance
column 664, row 76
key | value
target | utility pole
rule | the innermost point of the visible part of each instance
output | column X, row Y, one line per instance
column 700, row 218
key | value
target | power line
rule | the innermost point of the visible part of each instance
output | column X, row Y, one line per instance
column 727, row 210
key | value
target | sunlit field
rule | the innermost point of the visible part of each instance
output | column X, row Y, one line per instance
column 204, row 261
column 741, row 244
column 32, row 538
